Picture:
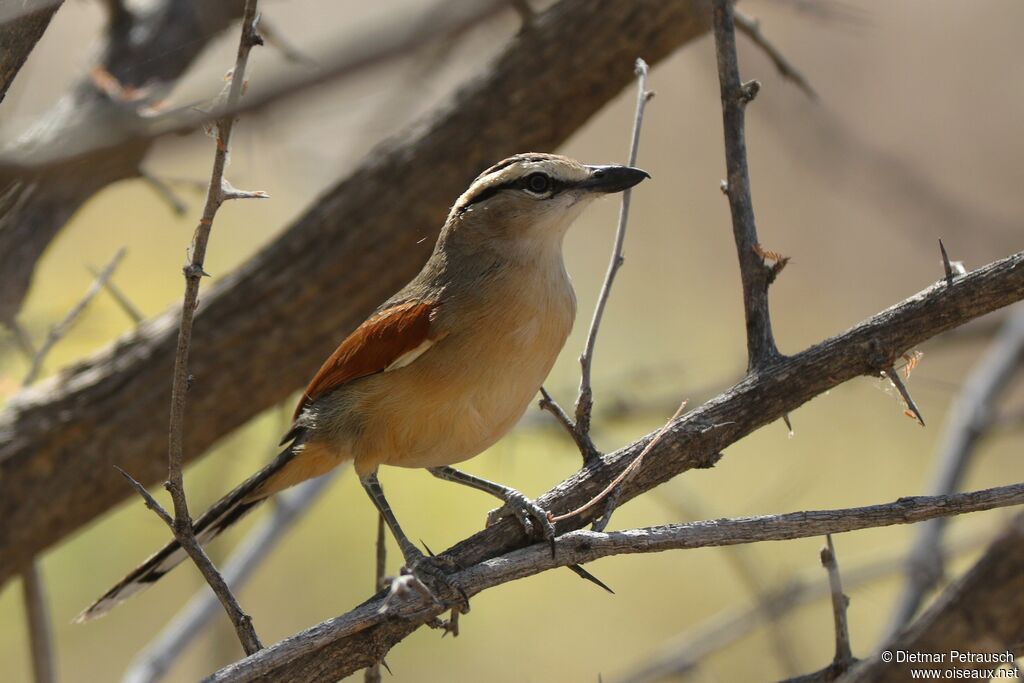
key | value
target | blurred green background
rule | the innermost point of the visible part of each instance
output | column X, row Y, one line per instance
column 916, row 136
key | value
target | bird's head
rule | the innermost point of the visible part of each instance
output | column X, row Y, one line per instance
column 531, row 199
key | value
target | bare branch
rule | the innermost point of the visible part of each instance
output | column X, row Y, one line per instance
column 585, row 399
column 346, row 643
column 761, row 349
column 970, row 417
column 40, row 630
column 843, row 657
column 182, row 526
column 58, row 331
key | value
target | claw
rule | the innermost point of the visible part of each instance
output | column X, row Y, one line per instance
column 533, row 518
column 432, row 574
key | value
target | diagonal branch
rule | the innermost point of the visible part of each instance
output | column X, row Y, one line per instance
column 341, row 645
column 755, row 275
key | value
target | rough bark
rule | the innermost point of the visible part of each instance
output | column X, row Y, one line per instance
column 265, row 328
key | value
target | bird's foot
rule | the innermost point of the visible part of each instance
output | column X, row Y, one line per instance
column 431, row 578
column 531, row 516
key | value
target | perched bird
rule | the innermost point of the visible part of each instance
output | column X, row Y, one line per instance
column 445, row 367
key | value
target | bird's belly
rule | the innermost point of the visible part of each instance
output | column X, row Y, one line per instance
column 458, row 399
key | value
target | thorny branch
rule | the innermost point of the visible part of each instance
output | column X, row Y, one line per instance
column 364, row 627
column 217, row 194
column 153, row 661
column 761, row 349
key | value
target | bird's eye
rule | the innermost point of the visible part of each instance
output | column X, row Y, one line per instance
column 538, row 183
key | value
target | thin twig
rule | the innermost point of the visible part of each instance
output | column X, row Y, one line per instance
column 680, row 657
column 120, row 297
column 761, row 349
column 751, row 28
column 844, row 656
column 970, row 418
column 182, row 526
column 373, row 671
column 581, row 546
column 58, row 331
column 153, row 661
column 623, row 477
column 41, row 631
column 165, row 192
column 585, row 399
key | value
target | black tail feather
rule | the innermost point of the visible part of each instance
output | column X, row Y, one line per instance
column 221, row 515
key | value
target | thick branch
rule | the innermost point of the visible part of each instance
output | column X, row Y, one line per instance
column 754, row 274
column 320, row 278
column 339, row 646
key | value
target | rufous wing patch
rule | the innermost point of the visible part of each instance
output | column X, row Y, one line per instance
column 388, row 340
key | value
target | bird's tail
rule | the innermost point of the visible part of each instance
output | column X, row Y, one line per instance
column 284, row 471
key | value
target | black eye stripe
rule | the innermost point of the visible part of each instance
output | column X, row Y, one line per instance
column 521, row 183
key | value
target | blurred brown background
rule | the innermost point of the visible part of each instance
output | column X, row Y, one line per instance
column 916, row 136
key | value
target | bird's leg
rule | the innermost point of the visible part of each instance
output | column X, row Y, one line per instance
column 532, row 516
column 430, row 571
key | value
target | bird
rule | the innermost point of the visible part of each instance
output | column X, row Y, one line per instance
column 441, row 370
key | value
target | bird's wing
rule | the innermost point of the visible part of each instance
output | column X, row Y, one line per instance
column 388, row 340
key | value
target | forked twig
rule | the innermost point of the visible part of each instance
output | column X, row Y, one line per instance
column 754, row 274
column 623, row 476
